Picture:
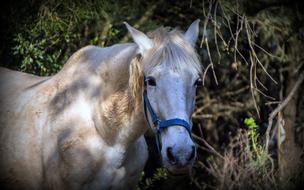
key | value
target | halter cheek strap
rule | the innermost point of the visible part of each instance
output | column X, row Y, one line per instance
column 161, row 124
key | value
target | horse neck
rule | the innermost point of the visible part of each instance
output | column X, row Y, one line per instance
column 117, row 103
column 121, row 112
column 120, row 119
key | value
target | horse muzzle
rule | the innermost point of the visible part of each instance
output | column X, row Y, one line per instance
column 179, row 159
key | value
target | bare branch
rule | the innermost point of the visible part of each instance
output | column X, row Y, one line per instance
column 208, row 146
column 251, row 83
column 211, row 62
column 215, row 33
column 205, row 72
column 281, row 106
column 254, row 53
column 205, row 24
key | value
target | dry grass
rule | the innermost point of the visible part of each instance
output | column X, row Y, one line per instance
column 239, row 167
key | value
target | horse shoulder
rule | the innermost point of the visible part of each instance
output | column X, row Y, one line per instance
column 76, row 157
column 85, row 161
column 73, row 149
column 124, row 172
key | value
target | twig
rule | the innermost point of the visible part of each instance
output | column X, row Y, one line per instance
column 298, row 67
column 215, row 33
column 106, row 28
column 272, row 102
column 200, row 130
column 208, row 146
column 258, row 60
column 211, row 62
column 251, row 84
column 254, row 53
column 239, row 29
column 281, row 106
column 262, row 85
column 205, row 72
column 238, row 91
column 265, row 51
column 205, row 23
column 259, row 91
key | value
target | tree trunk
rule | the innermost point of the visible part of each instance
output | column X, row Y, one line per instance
column 290, row 152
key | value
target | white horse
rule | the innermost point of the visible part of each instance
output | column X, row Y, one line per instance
column 83, row 127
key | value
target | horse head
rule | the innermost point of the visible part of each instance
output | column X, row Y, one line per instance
column 171, row 70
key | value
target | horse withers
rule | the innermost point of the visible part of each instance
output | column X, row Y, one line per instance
column 83, row 127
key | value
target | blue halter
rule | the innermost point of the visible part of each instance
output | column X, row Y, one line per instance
column 161, row 124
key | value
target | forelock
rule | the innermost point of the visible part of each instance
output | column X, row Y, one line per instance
column 173, row 50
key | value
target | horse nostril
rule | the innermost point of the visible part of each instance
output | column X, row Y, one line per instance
column 192, row 154
column 170, row 156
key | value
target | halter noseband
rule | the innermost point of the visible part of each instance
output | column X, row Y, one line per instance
column 160, row 124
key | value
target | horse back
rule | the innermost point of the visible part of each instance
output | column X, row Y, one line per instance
column 19, row 134
column 14, row 83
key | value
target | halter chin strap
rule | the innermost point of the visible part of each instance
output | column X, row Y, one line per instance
column 161, row 124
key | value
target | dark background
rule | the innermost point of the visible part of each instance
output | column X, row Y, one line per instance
column 251, row 44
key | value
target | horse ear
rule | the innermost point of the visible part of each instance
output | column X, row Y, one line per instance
column 141, row 39
column 192, row 33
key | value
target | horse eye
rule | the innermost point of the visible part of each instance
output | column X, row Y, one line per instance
column 198, row 82
column 151, row 81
